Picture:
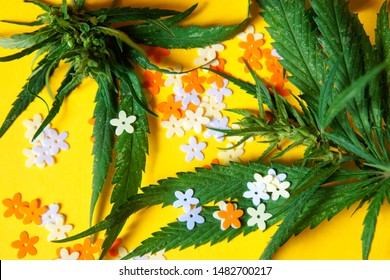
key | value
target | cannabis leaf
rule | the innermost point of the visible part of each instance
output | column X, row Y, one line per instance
column 86, row 41
column 228, row 183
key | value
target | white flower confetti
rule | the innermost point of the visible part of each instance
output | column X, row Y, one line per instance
column 213, row 109
column 217, row 124
column 173, row 126
column 123, row 123
column 192, row 218
column 231, row 154
column 185, row 200
column 219, row 93
column 32, row 127
column 195, row 120
column 51, row 214
column 58, row 230
column 258, row 216
column 256, row 192
column 64, row 255
column 43, row 156
column 193, row 149
column 54, row 141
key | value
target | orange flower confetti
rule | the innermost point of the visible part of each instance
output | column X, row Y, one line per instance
column 113, row 252
column 171, row 107
column 33, row 212
column 221, row 65
column 88, row 249
column 273, row 65
column 217, row 79
column 229, row 215
column 153, row 81
column 279, row 89
column 157, row 53
column 193, row 82
column 25, row 245
column 14, row 206
column 251, row 46
column 253, row 62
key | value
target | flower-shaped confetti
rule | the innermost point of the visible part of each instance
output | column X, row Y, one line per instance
column 256, row 192
column 258, row 216
column 32, row 127
column 219, row 93
column 123, row 123
column 250, row 30
column 231, row 154
column 229, row 215
column 281, row 177
column 58, row 230
column 251, row 42
column 213, row 109
column 267, row 180
column 88, row 249
column 215, row 79
column 195, row 120
column 208, row 55
column 170, row 108
column 186, row 97
column 43, row 156
column 33, row 212
column 157, row 53
column 67, row 256
column 217, row 124
column 174, row 127
column 279, row 189
column 193, row 82
column 32, row 158
column 114, row 249
column 122, row 252
column 193, row 149
column 141, row 258
column 192, row 218
column 55, row 141
column 51, row 215
column 153, row 81
column 25, row 245
column 185, row 200
column 175, row 78
column 14, row 206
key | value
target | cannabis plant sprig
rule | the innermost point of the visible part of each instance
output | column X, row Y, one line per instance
column 86, row 41
column 343, row 118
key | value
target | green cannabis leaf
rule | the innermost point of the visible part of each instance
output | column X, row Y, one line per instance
column 86, row 41
column 342, row 120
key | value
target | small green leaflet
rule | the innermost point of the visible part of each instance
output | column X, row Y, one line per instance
column 184, row 37
column 371, row 217
column 26, row 40
column 31, row 89
column 342, row 99
column 103, row 135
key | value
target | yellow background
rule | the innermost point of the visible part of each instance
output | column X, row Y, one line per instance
column 68, row 182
